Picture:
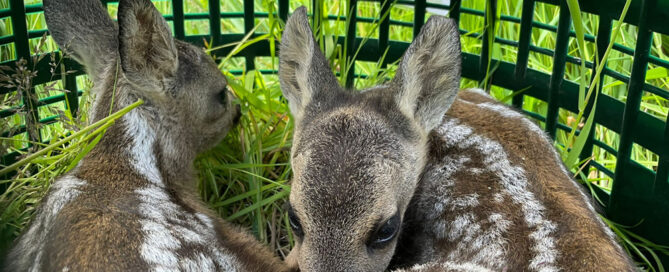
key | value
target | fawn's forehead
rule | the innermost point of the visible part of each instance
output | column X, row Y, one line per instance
column 345, row 160
column 354, row 133
column 370, row 119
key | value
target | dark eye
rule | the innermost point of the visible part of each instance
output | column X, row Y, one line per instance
column 223, row 96
column 295, row 223
column 385, row 233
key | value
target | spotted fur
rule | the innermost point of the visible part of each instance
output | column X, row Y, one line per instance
column 479, row 186
column 131, row 203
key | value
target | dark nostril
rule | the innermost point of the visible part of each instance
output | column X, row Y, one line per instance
column 238, row 114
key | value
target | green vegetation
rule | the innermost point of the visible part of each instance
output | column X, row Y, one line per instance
column 245, row 178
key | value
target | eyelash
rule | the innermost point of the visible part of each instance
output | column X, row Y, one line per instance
column 295, row 223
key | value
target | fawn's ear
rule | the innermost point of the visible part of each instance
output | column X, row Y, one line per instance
column 428, row 76
column 149, row 57
column 304, row 73
column 83, row 29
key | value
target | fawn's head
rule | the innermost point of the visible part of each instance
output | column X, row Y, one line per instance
column 185, row 93
column 357, row 156
column 187, row 105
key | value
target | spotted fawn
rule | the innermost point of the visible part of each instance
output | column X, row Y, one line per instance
column 418, row 175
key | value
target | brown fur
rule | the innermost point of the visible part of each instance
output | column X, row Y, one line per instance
column 481, row 189
column 582, row 242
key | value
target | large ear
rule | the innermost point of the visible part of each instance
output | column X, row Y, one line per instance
column 148, row 54
column 428, row 76
column 83, row 29
column 304, row 73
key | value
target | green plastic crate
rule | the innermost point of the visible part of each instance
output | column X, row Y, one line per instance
column 639, row 196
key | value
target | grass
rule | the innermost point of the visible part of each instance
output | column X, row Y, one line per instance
column 245, row 178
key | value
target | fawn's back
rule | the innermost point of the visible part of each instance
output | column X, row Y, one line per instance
column 495, row 192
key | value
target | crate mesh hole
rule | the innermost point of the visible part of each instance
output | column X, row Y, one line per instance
column 18, row 142
column 441, row 11
column 644, row 156
column 476, row 22
column 234, row 64
column 546, row 13
column 508, row 31
column 232, row 25
column 402, row 13
column 265, row 6
column 164, row 6
column 197, row 27
column 654, row 105
column 191, row 6
column 112, row 9
column 7, row 52
column 471, row 44
column 574, row 74
column 293, row 5
column 6, row 28
column 52, row 130
column 658, row 76
column 369, row 10
column 401, row 33
column 264, row 25
column 35, row 21
column 37, row 45
column 266, row 63
column 365, row 30
column 615, row 88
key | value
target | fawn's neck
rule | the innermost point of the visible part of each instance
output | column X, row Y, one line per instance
column 135, row 146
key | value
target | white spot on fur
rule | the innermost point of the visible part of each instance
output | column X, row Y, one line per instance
column 490, row 244
column 476, row 170
column 465, row 201
column 205, row 219
column 510, row 113
column 498, row 198
column 159, row 245
column 448, row 267
column 514, row 183
column 31, row 245
column 464, row 224
column 168, row 227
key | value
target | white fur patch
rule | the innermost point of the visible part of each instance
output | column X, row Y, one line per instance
column 510, row 113
column 142, row 157
column 167, row 227
column 514, row 183
column 31, row 244
column 449, row 267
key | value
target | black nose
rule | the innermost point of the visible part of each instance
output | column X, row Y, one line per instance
column 238, row 114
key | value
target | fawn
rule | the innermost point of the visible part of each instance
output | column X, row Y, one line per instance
column 131, row 203
column 386, row 178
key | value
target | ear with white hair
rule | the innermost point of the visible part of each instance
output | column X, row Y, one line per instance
column 428, row 76
column 304, row 73
column 148, row 53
